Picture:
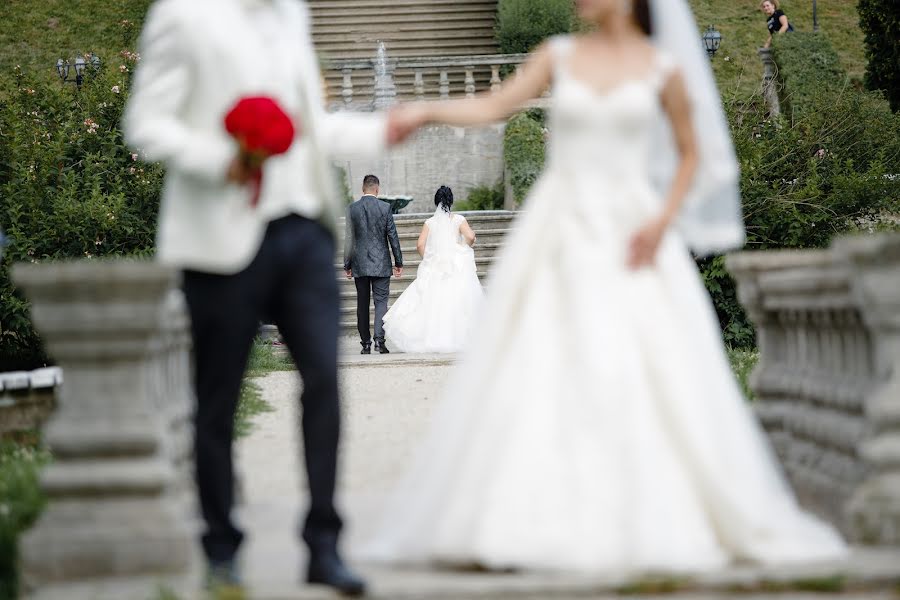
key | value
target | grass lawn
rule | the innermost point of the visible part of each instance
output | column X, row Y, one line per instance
column 743, row 26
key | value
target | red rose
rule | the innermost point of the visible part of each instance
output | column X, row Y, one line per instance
column 262, row 129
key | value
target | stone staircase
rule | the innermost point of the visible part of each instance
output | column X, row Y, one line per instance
column 347, row 29
column 490, row 226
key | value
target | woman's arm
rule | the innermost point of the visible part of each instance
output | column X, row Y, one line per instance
column 677, row 106
column 423, row 237
column 467, row 232
column 530, row 82
column 768, row 43
column 783, row 21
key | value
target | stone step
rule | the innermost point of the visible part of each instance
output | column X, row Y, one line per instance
column 408, row 239
column 352, row 28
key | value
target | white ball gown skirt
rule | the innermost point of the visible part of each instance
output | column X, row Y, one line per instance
column 594, row 423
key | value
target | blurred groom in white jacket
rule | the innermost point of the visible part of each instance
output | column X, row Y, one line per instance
column 240, row 264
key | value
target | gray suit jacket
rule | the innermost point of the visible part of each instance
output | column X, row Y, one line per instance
column 370, row 226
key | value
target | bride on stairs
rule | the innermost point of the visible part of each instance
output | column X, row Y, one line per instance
column 435, row 313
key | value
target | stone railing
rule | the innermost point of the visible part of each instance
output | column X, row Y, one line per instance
column 27, row 398
column 771, row 86
column 118, row 522
column 828, row 380
column 378, row 82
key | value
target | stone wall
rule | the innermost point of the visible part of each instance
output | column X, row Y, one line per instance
column 828, row 381
column 436, row 156
column 27, row 398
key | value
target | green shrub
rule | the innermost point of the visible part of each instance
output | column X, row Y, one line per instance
column 523, row 24
column 880, row 20
column 482, row 198
column 805, row 182
column 808, row 66
column 69, row 187
column 523, row 152
column 21, row 501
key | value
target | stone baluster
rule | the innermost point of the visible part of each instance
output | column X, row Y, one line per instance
column 770, row 81
column 444, row 85
column 874, row 272
column 347, row 86
column 470, row 81
column 828, row 380
column 419, row 85
column 495, row 78
column 116, row 524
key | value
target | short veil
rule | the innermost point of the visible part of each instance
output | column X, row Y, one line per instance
column 711, row 219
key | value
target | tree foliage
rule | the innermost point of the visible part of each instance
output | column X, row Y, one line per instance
column 880, row 20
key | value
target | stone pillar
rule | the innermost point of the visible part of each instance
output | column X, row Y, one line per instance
column 770, row 81
column 117, row 523
column 828, row 382
column 874, row 270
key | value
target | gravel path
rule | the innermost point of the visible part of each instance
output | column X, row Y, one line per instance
column 387, row 402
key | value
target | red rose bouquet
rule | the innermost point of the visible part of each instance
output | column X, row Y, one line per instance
column 262, row 129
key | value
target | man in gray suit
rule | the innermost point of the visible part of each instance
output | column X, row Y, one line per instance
column 370, row 227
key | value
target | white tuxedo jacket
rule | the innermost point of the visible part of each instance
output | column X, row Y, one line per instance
column 198, row 58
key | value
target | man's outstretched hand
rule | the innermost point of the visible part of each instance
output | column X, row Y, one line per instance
column 403, row 120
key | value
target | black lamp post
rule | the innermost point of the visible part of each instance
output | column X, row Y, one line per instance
column 63, row 68
column 712, row 39
column 815, row 16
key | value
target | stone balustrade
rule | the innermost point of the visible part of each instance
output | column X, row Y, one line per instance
column 375, row 82
column 119, row 522
column 27, row 399
column 828, row 382
column 770, row 84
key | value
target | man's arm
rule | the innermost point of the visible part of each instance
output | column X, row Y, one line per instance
column 394, row 240
column 153, row 122
column 348, row 245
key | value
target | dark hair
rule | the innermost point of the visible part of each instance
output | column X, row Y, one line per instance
column 370, row 181
column 643, row 16
column 444, row 198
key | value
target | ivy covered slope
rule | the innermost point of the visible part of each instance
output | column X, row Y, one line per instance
column 69, row 187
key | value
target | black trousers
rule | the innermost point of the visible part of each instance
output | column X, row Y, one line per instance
column 291, row 281
column 380, row 288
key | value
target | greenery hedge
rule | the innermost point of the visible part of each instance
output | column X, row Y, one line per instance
column 808, row 66
column 69, row 187
column 880, row 20
column 524, row 152
column 482, row 198
column 523, row 24
column 21, row 501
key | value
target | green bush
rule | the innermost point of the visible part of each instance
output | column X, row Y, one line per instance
column 808, row 66
column 805, row 182
column 69, row 187
column 523, row 152
column 523, row 24
column 21, row 501
column 482, row 198
column 880, row 20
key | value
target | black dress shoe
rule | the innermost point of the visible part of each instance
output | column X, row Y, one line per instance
column 381, row 348
column 366, row 348
column 333, row 573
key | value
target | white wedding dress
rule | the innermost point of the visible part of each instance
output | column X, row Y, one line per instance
column 437, row 311
column 594, row 423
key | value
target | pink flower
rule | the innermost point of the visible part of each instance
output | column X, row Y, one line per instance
column 134, row 157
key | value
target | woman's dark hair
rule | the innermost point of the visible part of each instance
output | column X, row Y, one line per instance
column 444, row 198
column 643, row 16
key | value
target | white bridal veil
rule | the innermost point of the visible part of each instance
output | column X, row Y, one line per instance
column 711, row 219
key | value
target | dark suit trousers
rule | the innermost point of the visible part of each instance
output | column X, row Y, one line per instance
column 291, row 281
column 366, row 287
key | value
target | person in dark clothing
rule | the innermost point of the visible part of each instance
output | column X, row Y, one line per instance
column 367, row 259
column 776, row 20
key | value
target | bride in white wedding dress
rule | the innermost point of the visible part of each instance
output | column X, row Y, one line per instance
column 437, row 311
column 594, row 423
